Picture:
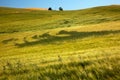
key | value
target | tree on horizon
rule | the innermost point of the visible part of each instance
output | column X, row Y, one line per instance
column 50, row 9
column 60, row 9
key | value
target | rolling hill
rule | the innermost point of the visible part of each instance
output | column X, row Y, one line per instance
column 60, row 45
column 26, row 20
column 36, row 8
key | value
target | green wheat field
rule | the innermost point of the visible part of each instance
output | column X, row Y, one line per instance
column 60, row 45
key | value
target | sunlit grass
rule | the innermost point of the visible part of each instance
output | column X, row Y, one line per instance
column 68, row 48
column 27, row 20
column 90, row 64
column 88, row 54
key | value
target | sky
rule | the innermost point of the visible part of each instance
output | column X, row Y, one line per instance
column 55, row 4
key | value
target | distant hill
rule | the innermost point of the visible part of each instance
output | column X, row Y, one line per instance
column 17, row 19
column 36, row 8
column 5, row 10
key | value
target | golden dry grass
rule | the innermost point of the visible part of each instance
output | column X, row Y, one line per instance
column 76, row 52
column 36, row 9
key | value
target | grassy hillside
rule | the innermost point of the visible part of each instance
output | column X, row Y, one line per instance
column 60, row 45
column 27, row 20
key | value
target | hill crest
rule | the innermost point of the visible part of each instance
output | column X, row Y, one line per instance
column 36, row 8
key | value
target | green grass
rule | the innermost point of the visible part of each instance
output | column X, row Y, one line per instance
column 53, row 45
column 27, row 20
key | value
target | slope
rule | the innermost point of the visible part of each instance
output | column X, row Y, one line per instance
column 17, row 20
column 53, row 45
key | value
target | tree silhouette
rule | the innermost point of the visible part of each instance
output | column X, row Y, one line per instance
column 60, row 9
column 49, row 8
